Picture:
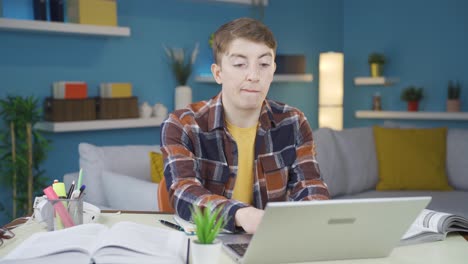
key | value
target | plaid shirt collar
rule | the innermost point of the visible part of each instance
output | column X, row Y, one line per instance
column 216, row 114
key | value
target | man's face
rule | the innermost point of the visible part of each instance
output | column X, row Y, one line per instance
column 245, row 72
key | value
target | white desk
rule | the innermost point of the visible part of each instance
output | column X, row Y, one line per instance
column 453, row 250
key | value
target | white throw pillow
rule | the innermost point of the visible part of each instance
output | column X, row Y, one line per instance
column 128, row 160
column 129, row 193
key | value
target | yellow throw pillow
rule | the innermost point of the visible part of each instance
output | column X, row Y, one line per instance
column 411, row 159
column 157, row 166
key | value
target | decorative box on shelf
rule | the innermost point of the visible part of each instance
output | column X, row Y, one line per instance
column 116, row 108
column 62, row 110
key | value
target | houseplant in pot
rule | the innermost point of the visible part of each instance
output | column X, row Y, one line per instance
column 22, row 151
column 412, row 95
column 376, row 63
column 206, row 249
column 453, row 96
column 181, row 65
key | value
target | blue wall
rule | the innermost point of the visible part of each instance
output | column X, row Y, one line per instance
column 30, row 62
column 425, row 42
column 423, row 39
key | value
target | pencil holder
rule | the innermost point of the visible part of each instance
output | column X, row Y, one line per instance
column 64, row 213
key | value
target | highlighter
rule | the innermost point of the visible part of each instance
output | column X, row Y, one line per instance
column 59, row 207
column 59, row 189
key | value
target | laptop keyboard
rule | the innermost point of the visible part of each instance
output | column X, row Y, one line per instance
column 239, row 248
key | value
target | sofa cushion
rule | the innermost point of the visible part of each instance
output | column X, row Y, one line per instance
column 129, row 193
column 457, row 153
column 330, row 161
column 411, row 159
column 347, row 159
column 131, row 160
column 157, row 166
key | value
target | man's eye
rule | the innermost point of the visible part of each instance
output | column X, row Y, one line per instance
column 264, row 65
column 239, row 65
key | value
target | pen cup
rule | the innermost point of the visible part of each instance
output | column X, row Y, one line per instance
column 64, row 213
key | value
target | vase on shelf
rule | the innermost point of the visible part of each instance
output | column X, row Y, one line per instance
column 183, row 96
column 413, row 106
column 376, row 70
column 453, row 105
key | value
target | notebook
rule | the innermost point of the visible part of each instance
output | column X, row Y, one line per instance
column 327, row 230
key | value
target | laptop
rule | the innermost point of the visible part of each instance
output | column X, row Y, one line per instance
column 326, row 230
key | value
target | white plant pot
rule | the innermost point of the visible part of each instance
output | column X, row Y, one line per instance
column 183, row 96
column 205, row 253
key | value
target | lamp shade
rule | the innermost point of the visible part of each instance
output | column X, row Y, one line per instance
column 331, row 90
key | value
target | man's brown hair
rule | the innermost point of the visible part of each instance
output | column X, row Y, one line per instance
column 246, row 28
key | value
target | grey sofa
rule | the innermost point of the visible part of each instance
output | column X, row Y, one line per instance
column 118, row 177
column 348, row 164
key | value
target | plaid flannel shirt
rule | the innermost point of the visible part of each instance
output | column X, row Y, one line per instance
column 200, row 159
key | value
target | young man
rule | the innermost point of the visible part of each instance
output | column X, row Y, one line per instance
column 239, row 150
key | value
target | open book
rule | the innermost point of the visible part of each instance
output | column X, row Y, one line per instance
column 124, row 242
column 433, row 226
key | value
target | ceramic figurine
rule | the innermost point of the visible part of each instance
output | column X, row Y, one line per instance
column 145, row 110
column 159, row 110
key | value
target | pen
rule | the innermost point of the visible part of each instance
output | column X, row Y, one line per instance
column 171, row 225
column 70, row 191
column 82, row 188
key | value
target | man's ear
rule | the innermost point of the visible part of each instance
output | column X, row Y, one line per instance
column 216, row 70
column 274, row 65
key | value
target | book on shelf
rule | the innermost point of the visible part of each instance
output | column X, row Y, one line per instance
column 116, row 90
column 124, row 242
column 96, row 12
column 434, row 226
column 69, row 90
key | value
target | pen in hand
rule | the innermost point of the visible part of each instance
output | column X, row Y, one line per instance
column 171, row 225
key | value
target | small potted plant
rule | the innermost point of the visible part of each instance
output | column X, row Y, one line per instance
column 376, row 62
column 453, row 96
column 412, row 95
column 206, row 249
column 182, row 66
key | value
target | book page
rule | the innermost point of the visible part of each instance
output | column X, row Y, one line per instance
column 189, row 228
column 432, row 220
column 132, row 239
column 80, row 238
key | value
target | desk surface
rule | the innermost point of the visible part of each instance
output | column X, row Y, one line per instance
column 453, row 250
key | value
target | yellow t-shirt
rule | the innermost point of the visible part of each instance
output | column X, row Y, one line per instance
column 245, row 139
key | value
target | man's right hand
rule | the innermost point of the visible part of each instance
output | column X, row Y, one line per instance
column 249, row 218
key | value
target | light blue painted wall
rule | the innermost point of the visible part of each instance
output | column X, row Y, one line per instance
column 30, row 62
column 425, row 42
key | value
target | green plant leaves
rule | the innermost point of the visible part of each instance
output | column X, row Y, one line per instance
column 17, row 112
column 209, row 223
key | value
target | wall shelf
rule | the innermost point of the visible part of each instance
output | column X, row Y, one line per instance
column 244, row 2
column 412, row 115
column 62, row 28
column 98, row 124
column 386, row 81
column 276, row 78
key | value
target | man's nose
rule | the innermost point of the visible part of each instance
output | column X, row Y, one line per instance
column 253, row 74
